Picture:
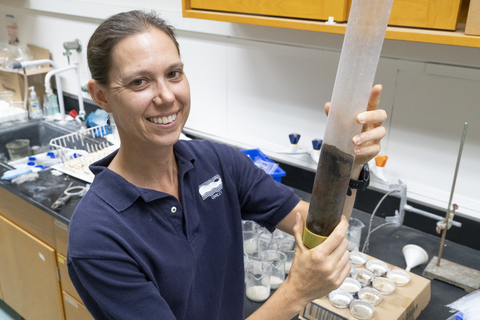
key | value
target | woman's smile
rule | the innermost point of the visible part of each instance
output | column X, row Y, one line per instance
column 164, row 120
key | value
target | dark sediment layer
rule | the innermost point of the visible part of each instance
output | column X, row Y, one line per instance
column 329, row 190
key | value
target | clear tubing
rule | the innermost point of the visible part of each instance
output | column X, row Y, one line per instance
column 361, row 49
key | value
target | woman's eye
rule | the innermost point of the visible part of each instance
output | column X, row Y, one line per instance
column 138, row 82
column 174, row 74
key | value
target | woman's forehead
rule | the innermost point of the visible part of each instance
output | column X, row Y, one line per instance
column 153, row 46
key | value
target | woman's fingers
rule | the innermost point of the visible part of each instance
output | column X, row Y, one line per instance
column 373, row 135
column 374, row 97
column 374, row 117
column 298, row 232
column 332, row 246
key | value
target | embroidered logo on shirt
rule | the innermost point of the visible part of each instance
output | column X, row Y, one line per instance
column 211, row 188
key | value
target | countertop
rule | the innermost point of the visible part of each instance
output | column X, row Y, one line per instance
column 385, row 243
column 44, row 191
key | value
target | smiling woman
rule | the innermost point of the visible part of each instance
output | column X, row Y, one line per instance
column 159, row 233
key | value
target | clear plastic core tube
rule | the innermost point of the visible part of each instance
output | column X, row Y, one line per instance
column 367, row 24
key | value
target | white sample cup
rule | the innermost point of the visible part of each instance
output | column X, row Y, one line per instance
column 258, row 280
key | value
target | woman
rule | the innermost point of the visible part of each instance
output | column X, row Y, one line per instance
column 159, row 235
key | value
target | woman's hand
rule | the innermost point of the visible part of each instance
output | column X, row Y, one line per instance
column 318, row 271
column 368, row 142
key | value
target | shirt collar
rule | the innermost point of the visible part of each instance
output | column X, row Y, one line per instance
column 121, row 194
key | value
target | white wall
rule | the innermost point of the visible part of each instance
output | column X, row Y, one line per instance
column 252, row 86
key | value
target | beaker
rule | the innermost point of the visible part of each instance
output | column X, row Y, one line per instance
column 277, row 260
column 287, row 246
column 356, row 71
column 258, row 280
column 354, row 233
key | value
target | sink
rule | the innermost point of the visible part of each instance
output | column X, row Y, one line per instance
column 39, row 132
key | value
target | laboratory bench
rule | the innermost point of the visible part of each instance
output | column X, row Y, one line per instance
column 385, row 244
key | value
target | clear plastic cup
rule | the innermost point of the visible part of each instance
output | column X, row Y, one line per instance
column 354, row 233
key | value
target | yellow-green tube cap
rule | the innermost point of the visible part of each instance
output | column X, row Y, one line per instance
column 311, row 239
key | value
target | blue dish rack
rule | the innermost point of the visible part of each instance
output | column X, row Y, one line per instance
column 256, row 153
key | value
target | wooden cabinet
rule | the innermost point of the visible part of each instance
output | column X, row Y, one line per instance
column 421, row 16
column 29, row 274
column 304, row 9
column 75, row 310
column 431, row 14
column 67, row 285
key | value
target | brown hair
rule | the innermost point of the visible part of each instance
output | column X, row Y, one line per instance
column 115, row 29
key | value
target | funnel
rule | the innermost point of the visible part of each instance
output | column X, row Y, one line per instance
column 414, row 256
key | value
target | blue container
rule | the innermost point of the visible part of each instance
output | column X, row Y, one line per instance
column 256, row 154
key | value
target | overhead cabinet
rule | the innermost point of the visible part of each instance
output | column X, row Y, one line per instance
column 304, row 9
column 432, row 21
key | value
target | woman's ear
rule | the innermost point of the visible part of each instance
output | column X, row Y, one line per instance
column 98, row 94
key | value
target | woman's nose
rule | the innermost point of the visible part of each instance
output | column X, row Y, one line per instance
column 164, row 95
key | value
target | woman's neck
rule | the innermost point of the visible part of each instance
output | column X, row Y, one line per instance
column 150, row 168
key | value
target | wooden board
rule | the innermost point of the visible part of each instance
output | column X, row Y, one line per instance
column 453, row 273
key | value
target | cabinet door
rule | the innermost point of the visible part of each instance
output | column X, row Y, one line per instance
column 75, row 310
column 306, row 9
column 28, row 273
column 67, row 285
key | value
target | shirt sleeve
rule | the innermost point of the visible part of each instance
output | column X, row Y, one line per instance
column 116, row 289
column 261, row 198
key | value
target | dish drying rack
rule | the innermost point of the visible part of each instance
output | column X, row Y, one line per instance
column 78, row 150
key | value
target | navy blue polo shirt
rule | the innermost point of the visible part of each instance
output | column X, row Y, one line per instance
column 137, row 253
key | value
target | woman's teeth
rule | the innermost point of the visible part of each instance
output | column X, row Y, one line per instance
column 163, row 120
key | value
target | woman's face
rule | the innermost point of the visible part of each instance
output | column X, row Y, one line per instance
column 148, row 95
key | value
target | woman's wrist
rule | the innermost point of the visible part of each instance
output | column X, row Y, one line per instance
column 356, row 169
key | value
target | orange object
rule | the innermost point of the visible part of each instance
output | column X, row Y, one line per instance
column 381, row 161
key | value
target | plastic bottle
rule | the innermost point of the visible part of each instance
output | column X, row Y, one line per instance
column 52, row 98
column 34, row 105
